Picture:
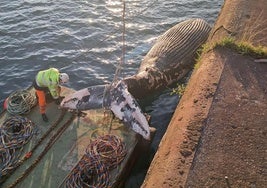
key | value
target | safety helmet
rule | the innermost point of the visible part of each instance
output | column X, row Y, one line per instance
column 63, row 78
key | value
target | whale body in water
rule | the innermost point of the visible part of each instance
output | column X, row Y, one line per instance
column 170, row 58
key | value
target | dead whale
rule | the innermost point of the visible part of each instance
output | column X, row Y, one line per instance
column 170, row 58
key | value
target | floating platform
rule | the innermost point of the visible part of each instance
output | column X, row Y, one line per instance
column 56, row 148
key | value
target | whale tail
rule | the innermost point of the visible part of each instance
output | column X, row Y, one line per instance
column 126, row 108
column 116, row 98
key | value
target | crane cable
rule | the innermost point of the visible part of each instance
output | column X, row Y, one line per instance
column 118, row 69
column 122, row 61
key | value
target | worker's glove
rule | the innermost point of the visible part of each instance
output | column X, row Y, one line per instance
column 59, row 99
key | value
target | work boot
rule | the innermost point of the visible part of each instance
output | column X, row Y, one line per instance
column 45, row 119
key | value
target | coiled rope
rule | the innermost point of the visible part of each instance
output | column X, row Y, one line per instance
column 110, row 148
column 37, row 144
column 20, row 102
column 92, row 171
column 15, row 132
column 50, row 143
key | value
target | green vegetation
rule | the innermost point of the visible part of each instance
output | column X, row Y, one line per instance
column 202, row 49
column 244, row 48
column 179, row 90
column 198, row 56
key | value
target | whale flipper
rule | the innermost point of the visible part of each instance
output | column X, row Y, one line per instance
column 85, row 99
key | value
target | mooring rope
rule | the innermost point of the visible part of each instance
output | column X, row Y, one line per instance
column 89, row 172
column 20, row 102
column 110, row 148
column 29, row 153
column 102, row 155
column 52, row 140
column 15, row 132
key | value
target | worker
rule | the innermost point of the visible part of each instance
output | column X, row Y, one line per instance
column 48, row 81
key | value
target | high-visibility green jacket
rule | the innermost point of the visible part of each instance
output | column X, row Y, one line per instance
column 49, row 78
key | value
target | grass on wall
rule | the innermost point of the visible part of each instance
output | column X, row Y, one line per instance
column 244, row 48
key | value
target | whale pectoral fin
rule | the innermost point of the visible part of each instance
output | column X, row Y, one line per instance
column 126, row 108
column 74, row 100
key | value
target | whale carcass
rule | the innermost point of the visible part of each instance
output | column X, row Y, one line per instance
column 170, row 58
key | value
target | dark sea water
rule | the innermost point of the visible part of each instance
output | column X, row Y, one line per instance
column 84, row 39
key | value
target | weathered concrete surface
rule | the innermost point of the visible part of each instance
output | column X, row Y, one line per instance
column 219, row 127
